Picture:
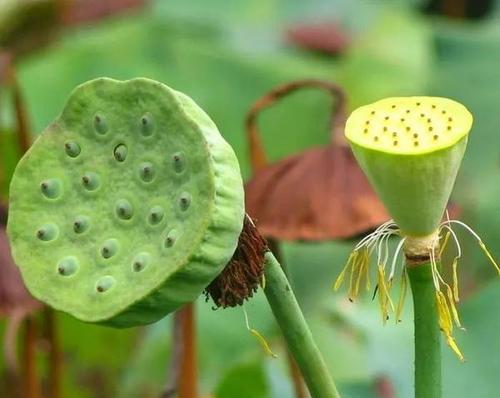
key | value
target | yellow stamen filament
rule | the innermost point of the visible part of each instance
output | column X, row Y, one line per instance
column 454, row 267
column 402, row 295
column 262, row 341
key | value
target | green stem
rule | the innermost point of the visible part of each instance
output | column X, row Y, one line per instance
column 427, row 334
column 296, row 332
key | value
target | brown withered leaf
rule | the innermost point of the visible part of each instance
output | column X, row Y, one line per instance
column 323, row 37
column 320, row 194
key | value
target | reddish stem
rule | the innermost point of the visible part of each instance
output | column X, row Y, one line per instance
column 30, row 380
column 187, row 384
column 257, row 154
column 55, row 354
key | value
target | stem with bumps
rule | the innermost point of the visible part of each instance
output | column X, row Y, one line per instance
column 296, row 331
column 427, row 333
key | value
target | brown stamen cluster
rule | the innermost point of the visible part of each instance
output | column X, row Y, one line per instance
column 243, row 274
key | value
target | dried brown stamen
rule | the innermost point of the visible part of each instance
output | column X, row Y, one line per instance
column 243, row 274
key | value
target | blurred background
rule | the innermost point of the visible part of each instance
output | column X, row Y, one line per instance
column 225, row 55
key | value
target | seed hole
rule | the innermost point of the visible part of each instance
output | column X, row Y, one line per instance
column 100, row 125
column 395, row 143
column 109, row 248
column 448, row 128
column 407, row 111
column 415, row 135
column 90, row 181
column 375, row 138
column 146, row 171
column 51, row 188
column 147, row 125
column 171, row 238
column 365, row 131
column 141, row 261
column 394, row 134
column 386, row 118
column 72, row 149
column 428, row 120
column 433, row 106
column 402, row 119
column 443, row 112
column 450, row 119
column 179, row 162
column 67, row 266
column 47, row 232
column 408, row 128
column 422, row 115
column 418, row 103
column 385, row 128
column 393, row 106
column 435, row 137
column 120, row 152
column 415, row 143
column 184, row 201
column 81, row 224
column 124, row 209
column 430, row 128
column 104, row 283
column 155, row 215
column 372, row 112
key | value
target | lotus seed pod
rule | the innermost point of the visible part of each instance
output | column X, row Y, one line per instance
column 127, row 206
column 411, row 148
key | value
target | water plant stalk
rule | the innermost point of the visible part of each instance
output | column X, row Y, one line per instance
column 427, row 333
column 296, row 331
column 187, row 383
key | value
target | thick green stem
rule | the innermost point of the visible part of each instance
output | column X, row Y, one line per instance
column 427, row 333
column 296, row 331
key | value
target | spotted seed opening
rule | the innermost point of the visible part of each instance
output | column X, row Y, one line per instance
column 100, row 125
column 109, row 248
column 421, row 124
column 141, row 261
column 47, row 232
column 155, row 215
column 124, row 209
column 104, row 284
column 120, row 152
column 184, row 201
column 72, row 149
column 170, row 238
column 147, row 125
column 146, row 171
column 81, row 224
column 51, row 188
column 90, row 181
column 67, row 266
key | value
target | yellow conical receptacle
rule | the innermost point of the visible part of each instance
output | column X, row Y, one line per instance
column 411, row 148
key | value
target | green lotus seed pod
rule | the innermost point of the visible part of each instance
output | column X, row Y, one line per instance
column 411, row 148
column 138, row 220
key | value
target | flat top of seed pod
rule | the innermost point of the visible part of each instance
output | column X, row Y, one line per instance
column 409, row 125
column 117, row 194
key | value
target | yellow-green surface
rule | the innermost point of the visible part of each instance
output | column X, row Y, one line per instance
column 409, row 125
column 127, row 206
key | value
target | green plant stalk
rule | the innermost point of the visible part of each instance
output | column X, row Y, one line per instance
column 296, row 331
column 427, row 333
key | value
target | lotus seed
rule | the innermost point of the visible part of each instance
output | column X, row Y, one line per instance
column 171, row 238
column 90, row 181
column 146, row 171
column 109, row 248
column 51, row 188
column 100, row 125
column 104, row 284
column 140, row 261
column 178, row 160
column 185, row 201
column 81, row 224
column 67, row 266
column 120, row 152
column 47, row 232
column 124, row 209
column 155, row 215
column 72, row 149
column 147, row 125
